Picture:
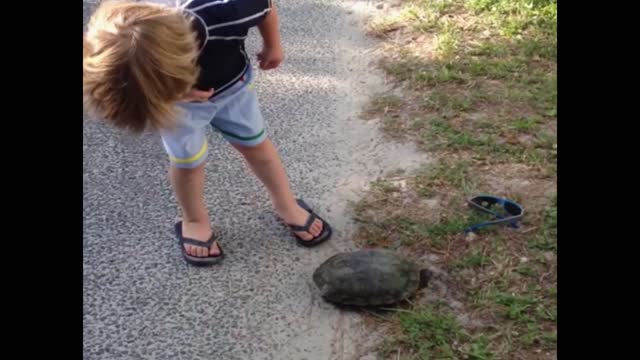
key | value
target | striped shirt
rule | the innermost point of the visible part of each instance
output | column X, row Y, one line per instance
column 222, row 27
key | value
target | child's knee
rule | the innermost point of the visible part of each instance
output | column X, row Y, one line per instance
column 261, row 152
column 188, row 171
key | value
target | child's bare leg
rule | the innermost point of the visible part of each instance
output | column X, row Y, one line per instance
column 188, row 185
column 265, row 162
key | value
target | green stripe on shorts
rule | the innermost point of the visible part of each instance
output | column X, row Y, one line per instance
column 244, row 138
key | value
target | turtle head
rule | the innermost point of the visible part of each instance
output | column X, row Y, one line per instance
column 425, row 277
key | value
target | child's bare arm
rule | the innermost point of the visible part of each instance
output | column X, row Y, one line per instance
column 272, row 54
column 197, row 95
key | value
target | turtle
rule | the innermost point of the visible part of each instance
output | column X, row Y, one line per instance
column 371, row 277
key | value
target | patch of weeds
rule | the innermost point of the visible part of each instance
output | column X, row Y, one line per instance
column 516, row 307
column 494, row 68
column 432, row 332
column 481, row 5
column 384, row 187
column 441, row 7
column 533, row 334
column 529, row 313
column 383, row 104
column 538, row 47
column 453, row 174
column 446, row 228
column 487, row 93
column 526, row 270
column 515, row 17
column 448, row 102
column 413, row 231
column 550, row 338
column 479, row 349
column 387, row 108
column 447, row 42
column 549, row 313
column 516, row 93
column 439, row 233
column 505, row 152
column 547, row 239
column 441, row 74
column 424, row 15
column 442, row 134
column 406, row 231
column 423, row 19
column 397, row 172
column 489, row 49
column 544, row 95
column 394, row 231
column 382, row 26
column 525, row 125
column 553, row 292
column 474, row 260
column 545, row 140
column 544, row 244
column 419, row 74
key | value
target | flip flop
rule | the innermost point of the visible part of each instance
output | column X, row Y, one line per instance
column 196, row 260
column 326, row 228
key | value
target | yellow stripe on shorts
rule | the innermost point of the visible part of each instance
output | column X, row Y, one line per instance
column 194, row 158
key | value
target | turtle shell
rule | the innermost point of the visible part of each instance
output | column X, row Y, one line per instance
column 367, row 278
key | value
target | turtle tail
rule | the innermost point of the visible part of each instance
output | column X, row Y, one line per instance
column 425, row 277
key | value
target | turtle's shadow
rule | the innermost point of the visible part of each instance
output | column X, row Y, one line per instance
column 379, row 310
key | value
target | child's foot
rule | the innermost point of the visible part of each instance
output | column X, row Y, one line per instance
column 298, row 216
column 200, row 232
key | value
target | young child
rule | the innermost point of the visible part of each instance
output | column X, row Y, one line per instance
column 178, row 69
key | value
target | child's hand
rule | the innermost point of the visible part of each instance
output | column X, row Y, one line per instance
column 197, row 95
column 270, row 57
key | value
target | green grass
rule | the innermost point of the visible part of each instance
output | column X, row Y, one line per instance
column 382, row 26
column 454, row 174
column 447, row 42
column 485, row 94
column 436, row 235
column 442, row 134
column 547, row 239
column 385, row 103
column 526, row 270
column 528, row 312
column 473, row 260
column 432, row 332
column 479, row 349
column 410, row 231
column 515, row 17
column 439, row 233
column 515, row 307
column 384, row 187
column 445, row 102
column 526, row 125
column 521, row 56
column 545, row 140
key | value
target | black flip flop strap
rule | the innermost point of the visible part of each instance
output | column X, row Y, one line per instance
column 312, row 217
column 203, row 244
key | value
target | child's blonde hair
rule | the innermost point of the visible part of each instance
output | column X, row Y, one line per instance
column 139, row 59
